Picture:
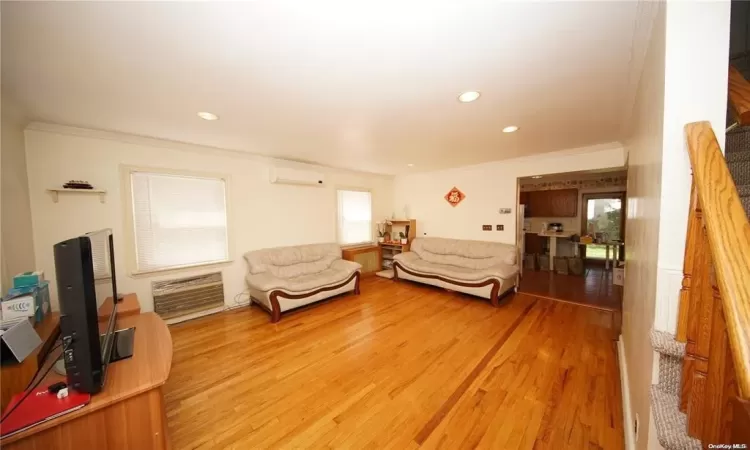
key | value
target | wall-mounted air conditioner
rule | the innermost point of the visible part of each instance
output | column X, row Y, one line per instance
column 284, row 175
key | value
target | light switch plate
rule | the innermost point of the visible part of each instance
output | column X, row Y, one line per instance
column 486, row 227
column 504, row 211
column 500, row 227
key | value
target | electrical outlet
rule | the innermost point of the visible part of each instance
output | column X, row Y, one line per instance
column 500, row 227
column 486, row 227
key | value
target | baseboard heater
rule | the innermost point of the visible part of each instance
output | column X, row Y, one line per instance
column 180, row 297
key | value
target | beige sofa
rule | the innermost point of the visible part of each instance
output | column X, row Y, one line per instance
column 483, row 269
column 285, row 278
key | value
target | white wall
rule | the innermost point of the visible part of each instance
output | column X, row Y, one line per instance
column 696, row 65
column 644, row 146
column 16, row 236
column 488, row 187
column 262, row 214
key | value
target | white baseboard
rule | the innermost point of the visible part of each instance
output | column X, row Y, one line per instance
column 627, row 411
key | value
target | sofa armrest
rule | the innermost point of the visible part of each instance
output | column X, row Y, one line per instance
column 264, row 281
column 343, row 264
column 406, row 257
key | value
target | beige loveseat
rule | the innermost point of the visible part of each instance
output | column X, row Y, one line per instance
column 484, row 269
column 285, row 278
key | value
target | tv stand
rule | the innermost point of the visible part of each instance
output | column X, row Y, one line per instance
column 132, row 394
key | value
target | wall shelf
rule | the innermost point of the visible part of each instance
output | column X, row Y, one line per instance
column 54, row 192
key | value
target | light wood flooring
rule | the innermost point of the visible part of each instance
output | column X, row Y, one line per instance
column 401, row 366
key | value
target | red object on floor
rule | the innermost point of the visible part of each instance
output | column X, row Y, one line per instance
column 39, row 407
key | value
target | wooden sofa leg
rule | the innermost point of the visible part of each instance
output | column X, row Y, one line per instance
column 356, row 283
column 495, row 294
column 395, row 272
column 275, row 308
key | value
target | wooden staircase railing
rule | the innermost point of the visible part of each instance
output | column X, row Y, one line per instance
column 714, row 317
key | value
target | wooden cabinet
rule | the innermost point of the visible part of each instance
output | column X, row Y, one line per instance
column 524, row 199
column 557, row 203
column 534, row 243
column 368, row 256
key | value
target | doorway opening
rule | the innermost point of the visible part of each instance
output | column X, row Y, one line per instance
column 603, row 216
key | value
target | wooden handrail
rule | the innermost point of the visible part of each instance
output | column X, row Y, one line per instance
column 728, row 233
column 739, row 96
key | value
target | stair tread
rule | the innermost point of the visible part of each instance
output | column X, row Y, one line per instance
column 738, row 140
column 737, row 156
column 740, row 171
column 665, row 343
column 671, row 424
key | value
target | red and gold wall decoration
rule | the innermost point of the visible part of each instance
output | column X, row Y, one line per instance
column 454, row 196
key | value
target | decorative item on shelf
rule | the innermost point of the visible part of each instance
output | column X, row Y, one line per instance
column 386, row 237
column 454, row 196
column 78, row 184
column 404, row 240
column 382, row 229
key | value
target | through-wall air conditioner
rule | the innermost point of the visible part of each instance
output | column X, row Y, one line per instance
column 283, row 175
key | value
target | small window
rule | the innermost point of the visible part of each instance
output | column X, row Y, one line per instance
column 354, row 217
column 178, row 221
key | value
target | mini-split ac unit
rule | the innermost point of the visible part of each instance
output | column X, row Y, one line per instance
column 284, row 175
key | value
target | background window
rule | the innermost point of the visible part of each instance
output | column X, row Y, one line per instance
column 179, row 220
column 354, row 217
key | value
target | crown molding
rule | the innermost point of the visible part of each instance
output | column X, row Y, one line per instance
column 146, row 141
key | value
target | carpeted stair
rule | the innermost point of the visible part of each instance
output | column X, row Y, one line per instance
column 738, row 160
column 671, row 423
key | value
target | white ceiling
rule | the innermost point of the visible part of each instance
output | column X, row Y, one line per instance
column 369, row 86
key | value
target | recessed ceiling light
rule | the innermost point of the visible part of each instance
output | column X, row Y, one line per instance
column 510, row 129
column 469, row 96
column 537, row 176
column 207, row 116
column 410, row 165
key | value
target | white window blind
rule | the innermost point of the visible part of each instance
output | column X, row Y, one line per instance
column 179, row 220
column 354, row 217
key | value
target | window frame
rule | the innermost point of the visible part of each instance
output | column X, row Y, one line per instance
column 131, row 252
column 372, row 216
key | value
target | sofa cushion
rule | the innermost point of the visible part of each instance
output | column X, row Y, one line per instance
column 464, row 253
column 500, row 270
column 290, row 262
column 337, row 273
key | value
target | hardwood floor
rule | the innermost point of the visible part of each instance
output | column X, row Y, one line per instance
column 595, row 289
column 400, row 366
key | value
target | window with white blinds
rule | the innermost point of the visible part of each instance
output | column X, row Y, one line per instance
column 179, row 221
column 354, row 217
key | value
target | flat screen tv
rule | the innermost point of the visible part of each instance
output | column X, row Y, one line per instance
column 82, row 264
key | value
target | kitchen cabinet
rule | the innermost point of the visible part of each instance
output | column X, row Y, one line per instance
column 534, row 243
column 524, row 199
column 556, row 203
